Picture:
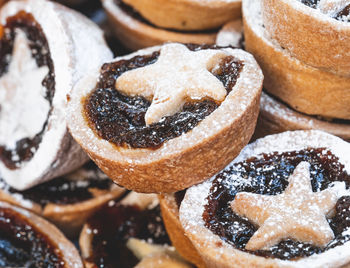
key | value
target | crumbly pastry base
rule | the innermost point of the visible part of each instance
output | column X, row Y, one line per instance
column 170, row 215
column 58, row 153
column 68, row 218
column 134, row 34
column 69, row 252
column 230, row 34
column 304, row 88
column 276, row 117
column 216, row 252
column 187, row 15
column 196, row 155
column 311, row 36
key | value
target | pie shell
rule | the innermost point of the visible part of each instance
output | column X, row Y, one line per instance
column 276, row 117
column 216, row 252
column 170, row 215
column 69, row 218
column 187, row 15
column 306, row 89
column 183, row 161
column 72, row 57
column 69, row 252
column 134, row 34
column 311, row 36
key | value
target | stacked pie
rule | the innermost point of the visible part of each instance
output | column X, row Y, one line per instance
column 139, row 24
column 302, row 47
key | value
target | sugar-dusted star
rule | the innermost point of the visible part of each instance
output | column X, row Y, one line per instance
column 298, row 213
column 178, row 75
column 332, row 7
column 23, row 106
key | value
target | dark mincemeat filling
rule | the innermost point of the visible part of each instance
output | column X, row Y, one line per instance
column 136, row 15
column 25, row 148
column 341, row 15
column 64, row 191
column 115, row 225
column 119, row 118
column 21, row 245
column 268, row 175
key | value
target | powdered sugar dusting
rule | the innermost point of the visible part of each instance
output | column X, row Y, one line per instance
column 22, row 84
column 231, row 34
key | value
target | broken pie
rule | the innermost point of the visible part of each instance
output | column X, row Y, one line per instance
column 44, row 51
column 316, row 32
column 127, row 234
column 153, row 120
column 67, row 201
column 284, row 201
column 304, row 88
column 30, row 241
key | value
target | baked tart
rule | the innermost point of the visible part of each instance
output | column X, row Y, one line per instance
column 304, row 88
column 27, row 240
column 67, row 201
column 276, row 117
column 169, row 205
column 187, row 15
column 152, row 127
column 135, row 33
column 231, row 34
column 44, row 51
column 317, row 32
column 129, row 233
column 284, row 201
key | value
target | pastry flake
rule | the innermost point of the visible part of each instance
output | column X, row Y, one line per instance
column 188, row 76
column 297, row 213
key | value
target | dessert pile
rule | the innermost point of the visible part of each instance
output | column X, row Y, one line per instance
column 174, row 133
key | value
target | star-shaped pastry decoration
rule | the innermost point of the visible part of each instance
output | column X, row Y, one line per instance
column 24, row 108
column 177, row 76
column 298, row 213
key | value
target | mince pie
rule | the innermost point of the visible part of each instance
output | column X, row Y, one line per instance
column 306, row 89
column 155, row 119
column 135, row 33
column 67, row 201
column 45, row 49
column 187, row 15
column 284, row 201
column 127, row 234
column 26, row 240
column 276, row 117
column 317, row 32
column 169, row 205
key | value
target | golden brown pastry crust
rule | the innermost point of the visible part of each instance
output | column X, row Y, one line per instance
column 311, row 36
column 196, row 155
column 68, row 218
column 170, row 215
column 69, row 252
column 187, row 15
column 304, row 88
column 276, row 117
column 134, row 34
